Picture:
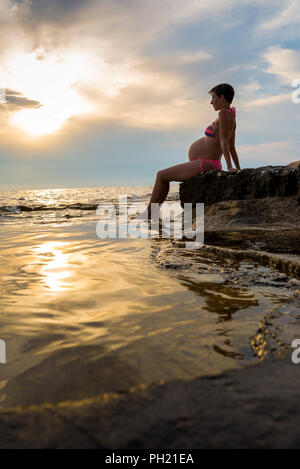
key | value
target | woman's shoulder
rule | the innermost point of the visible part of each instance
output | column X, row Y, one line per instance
column 216, row 123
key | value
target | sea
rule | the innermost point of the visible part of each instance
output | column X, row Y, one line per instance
column 83, row 315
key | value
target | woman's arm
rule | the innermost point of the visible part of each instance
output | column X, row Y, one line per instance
column 226, row 154
column 224, row 137
column 235, row 157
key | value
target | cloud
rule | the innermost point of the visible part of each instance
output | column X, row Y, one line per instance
column 187, row 58
column 121, row 81
column 251, row 86
column 154, row 107
column 287, row 16
column 272, row 153
column 284, row 63
column 147, row 64
column 269, row 100
column 15, row 100
column 152, row 94
column 59, row 12
column 116, row 24
column 125, row 79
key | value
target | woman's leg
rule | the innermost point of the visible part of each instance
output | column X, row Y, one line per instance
column 179, row 172
column 164, row 193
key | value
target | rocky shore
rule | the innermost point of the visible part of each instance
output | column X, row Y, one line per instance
column 253, row 214
column 273, row 183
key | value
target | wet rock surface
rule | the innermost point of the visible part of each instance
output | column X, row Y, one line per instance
column 254, row 216
column 257, row 407
column 250, row 270
column 273, row 240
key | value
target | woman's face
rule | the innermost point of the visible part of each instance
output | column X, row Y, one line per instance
column 215, row 101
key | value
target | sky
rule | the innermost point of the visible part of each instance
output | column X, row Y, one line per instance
column 107, row 92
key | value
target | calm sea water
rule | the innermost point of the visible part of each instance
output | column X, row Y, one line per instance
column 66, row 206
column 81, row 315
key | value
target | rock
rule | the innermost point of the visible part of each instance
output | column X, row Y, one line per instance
column 251, row 214
column 295, row 164
column 249, row 183
column 254, row 196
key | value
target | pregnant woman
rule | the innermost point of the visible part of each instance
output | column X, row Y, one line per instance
column 204, row 154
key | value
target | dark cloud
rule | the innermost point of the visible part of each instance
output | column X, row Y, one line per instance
column 116, row 22
column 55, row 12
column 15, row 100
column 47, row 23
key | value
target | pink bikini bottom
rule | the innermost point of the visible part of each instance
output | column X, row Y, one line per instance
column 216, row 163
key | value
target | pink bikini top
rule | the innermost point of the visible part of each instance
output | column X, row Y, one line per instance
column 209, row 131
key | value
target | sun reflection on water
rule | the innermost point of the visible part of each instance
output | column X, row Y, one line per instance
column 56, row 269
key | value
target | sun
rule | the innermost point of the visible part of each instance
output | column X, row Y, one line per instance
column 63, row 84
column 52, row 82
column 38, row 122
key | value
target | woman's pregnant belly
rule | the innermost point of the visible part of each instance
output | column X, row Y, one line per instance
column 207, row 147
